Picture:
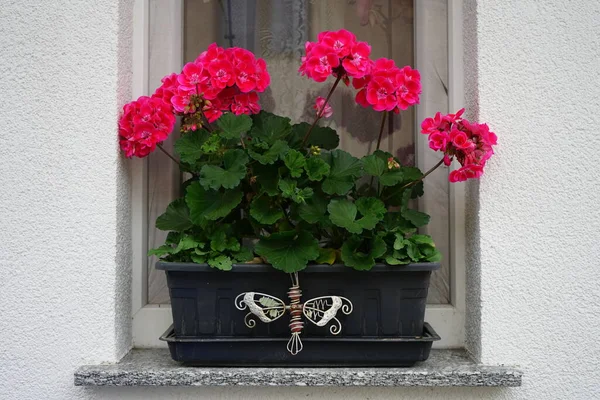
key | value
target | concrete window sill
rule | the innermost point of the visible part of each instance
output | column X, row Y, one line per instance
column 154, row 367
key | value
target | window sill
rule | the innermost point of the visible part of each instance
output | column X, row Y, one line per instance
column 154, row 367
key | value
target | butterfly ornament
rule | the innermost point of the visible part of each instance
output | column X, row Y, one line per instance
column 319, row 311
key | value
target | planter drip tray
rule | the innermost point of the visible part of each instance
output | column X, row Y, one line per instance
column 154, row 367
column 318, row 351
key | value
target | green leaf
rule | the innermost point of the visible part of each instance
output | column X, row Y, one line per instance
column 232, row 126
column 234, row 162
column 243, row 255
column 265, row 211
column 392, row 177
column 209, row 204
column 212, row 145
column 374, row 165
column 417, row 218
column 189, row 145
column 321, row 136
column 313, row 210
column 422, row 239
column 399, row 242
column 413, row 251
column 221, row 262
column 411, row 173
column 198, row 259
column 371, row 207
column 288, row 251
column 176, row 218
column 161, row 251
column 185, row 243
column 396, row 259
column 326, row 256
column 316, row 168
column 272, row 154
column 432, row 254
column 221, row 241
column 268, row 179
column 344, row 170
column 361, row 254
column 295, row 162
column 290, row 191
column 270, row 128
column 343, row 213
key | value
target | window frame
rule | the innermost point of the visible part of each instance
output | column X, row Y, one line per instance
column 151, row 320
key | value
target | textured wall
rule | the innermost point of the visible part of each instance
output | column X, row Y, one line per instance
column 65, row 230
column 538, row 83
column 533, row 73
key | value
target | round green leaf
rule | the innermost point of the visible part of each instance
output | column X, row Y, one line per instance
column 265, row 211
column 288, row 251
column 209, row 204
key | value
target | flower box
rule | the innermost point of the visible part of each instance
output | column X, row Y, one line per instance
column 282, row 237
column 385, row 327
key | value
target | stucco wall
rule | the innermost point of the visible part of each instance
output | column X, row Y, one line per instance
column 533, row 74
column 65, row 71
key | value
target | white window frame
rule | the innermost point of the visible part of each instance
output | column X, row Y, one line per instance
column 151, row 320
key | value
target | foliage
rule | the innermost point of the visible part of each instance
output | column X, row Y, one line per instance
column 258, row 191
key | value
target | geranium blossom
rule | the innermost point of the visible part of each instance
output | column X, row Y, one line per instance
column 219, row 80
column 471, row 144
column 321, row 105
column 145, row 123
column 245, row 103
column 387, row 87
column 336, row 53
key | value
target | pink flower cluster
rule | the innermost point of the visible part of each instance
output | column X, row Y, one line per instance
column 381, row 84
column 338, row 54
column 224, row 79
column 389, row 88
column 219, row 80
column 471, row 143
column 145, row 123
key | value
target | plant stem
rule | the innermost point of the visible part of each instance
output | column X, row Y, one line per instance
column 424, row 175
column 205, row 122
column 170, row 156
column 383, row 118
column 320, row 113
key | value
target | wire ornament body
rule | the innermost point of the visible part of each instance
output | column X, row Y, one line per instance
column 319, row 311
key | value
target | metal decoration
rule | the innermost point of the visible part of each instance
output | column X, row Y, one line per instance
column 319, row 311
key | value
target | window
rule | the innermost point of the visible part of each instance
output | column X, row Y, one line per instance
column 417, row 33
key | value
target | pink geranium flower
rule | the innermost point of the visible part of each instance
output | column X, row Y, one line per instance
column 145, row 123
column 323, row 108
column 336, row 53
column 388, row 88
column 408, row 83
column 466, row 172
column 358, row 64
column 245, row 103
column 191, row 76
column 341, row 41
column 381, row 94
column 221, row 74
column 471, row 144
column 321, row 62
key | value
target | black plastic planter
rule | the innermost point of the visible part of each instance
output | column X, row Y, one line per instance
column 386, row 322
column 319, row 352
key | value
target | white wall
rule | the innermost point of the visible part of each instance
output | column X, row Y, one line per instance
column 533, row 74
column 64, row 225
